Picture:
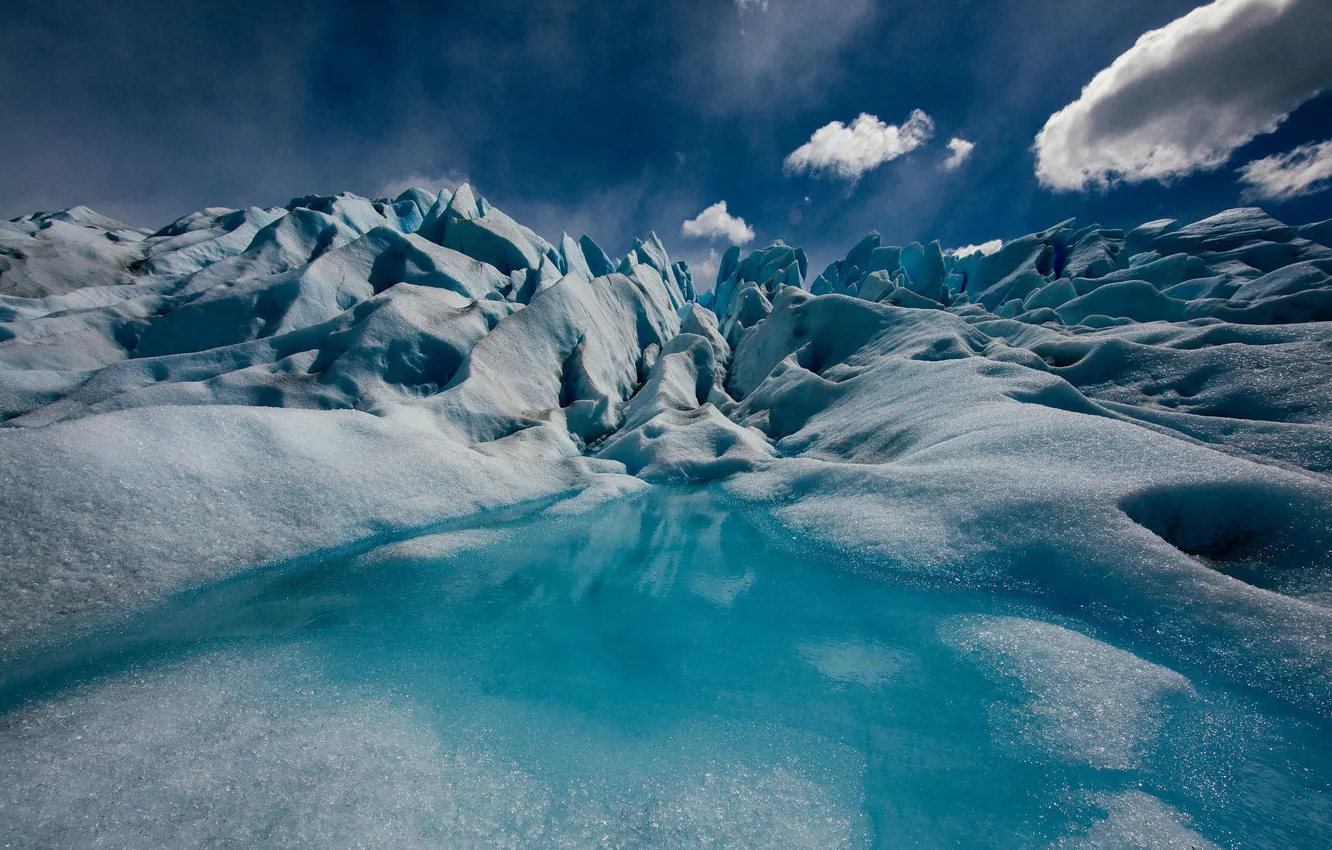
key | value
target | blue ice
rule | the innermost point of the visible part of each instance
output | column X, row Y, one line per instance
column 670, row 670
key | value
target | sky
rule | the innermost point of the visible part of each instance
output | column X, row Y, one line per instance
column 710, row 122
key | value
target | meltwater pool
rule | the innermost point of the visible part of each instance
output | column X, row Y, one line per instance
column 669, row 670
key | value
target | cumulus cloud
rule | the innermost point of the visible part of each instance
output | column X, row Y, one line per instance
column 850, row 151
column 716, row 223
column 1303, row 171
column 751, row 5
column 986, row 248
column 450, row 180
column 958, row 151
column 1186, row 96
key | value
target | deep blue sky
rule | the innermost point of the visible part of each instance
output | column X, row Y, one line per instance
column 612, row 118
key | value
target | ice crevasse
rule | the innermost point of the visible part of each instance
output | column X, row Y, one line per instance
column 1136, row 424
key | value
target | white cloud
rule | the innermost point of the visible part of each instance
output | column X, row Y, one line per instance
column 1186, row 96
column 986, row 248
column 705, row 271
column 751, row 5
column 1303, row 171
column 450, row 180
column 958, row 151
column 716, row 223
column 851, row 151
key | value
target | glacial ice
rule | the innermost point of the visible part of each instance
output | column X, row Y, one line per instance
column 668, row 670
column 1129, row 429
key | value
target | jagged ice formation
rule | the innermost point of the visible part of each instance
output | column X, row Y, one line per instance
column 1135, row 422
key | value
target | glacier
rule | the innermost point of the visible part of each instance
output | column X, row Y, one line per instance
column 1091, row 467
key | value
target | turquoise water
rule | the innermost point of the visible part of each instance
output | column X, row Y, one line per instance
column 667, row 671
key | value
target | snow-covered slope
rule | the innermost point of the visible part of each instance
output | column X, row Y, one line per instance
column 1136, row 424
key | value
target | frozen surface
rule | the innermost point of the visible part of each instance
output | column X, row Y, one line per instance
column 668, row 671
column 1091, row 467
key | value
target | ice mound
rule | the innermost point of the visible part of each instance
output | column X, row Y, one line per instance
column 209, row 488
column 1134, row 422
column 1138, row 821
column 1090, row 702
column 674, row 427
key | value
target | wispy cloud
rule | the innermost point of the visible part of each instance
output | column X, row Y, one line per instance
column 850, row 151
column 716, row 223
column 782, row 52
column 986, row 248
column 705, row 270
column 958, row 152
column 1302, row 171
column 1186, row 96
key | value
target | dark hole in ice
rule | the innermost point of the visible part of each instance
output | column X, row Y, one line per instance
column 1269, row 536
